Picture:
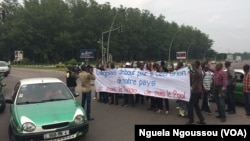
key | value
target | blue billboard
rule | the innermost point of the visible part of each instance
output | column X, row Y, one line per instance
column 87, row 53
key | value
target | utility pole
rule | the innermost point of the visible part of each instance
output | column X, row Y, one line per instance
column 105, row 53
column 3, row 14
column 188, row 49
column 110, row 29
column 171, row 46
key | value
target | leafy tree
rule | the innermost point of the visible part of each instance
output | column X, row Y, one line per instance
column 52, row 31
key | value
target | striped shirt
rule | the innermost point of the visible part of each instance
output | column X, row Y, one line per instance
column 207, row 79
column 246, row 83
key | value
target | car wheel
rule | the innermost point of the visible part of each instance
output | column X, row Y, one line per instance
column 11, row 137
column 2, row 108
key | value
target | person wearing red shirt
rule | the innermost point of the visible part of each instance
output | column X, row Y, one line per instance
column 220, row 85
column 246, row 89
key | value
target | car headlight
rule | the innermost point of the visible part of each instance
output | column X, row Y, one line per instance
column 29, row 127
column 79, row 119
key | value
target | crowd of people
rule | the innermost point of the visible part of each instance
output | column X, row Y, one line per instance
column 204, row 81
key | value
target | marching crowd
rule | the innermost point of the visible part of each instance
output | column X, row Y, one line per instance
column 204, row 81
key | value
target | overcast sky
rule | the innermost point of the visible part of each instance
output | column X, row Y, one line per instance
column 226, row 22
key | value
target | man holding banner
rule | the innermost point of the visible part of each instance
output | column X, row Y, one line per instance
column 113, row 96
column 127, row 97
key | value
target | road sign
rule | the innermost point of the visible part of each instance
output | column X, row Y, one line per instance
column 181, row 55
column 18, row 55
column 230, row 57
column 86, row 53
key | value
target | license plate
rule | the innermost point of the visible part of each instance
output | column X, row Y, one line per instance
column 64, row 138
column 56, row 134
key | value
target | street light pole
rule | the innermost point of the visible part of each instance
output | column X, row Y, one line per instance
column 102, row 49
column 3, row 14
column 204, row 56
column 110, row 34
column 171, row 46
column 188, row 49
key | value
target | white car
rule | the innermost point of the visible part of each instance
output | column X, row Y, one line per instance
column 213, row 62
column 4, row 68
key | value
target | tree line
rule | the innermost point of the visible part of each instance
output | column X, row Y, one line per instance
column 50, row 31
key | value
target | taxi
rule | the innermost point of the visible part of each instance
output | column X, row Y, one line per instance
column 33, row 116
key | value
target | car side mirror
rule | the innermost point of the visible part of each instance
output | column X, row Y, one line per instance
column 76, row 94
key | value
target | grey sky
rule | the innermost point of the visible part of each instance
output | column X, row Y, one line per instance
column 227, row 22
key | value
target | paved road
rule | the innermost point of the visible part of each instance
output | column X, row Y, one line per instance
column 237, row 65
column 114, row 122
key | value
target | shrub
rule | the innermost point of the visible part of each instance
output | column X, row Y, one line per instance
column 60, row 65
column 71, row 62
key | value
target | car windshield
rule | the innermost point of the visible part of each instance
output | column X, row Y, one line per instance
column 239, row 77
column 2, row 64
column 45, row 92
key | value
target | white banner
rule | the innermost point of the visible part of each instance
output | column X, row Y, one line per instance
column 173, row 85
